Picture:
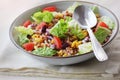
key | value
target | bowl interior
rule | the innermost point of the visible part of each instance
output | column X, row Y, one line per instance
column 62, row 5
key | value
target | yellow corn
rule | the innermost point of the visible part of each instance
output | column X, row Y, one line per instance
column 35, row 36
column 60, row 15
column 76, row 43
column 85, row 32
column 60, row 53
column 65, row 55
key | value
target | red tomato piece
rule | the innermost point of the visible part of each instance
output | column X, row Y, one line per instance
column 28, row 46
column 42, row 24
column 102, row 24
column 50, row 9
column 26, row 23
column 57, row 42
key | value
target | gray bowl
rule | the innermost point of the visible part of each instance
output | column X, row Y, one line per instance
column 61, row 5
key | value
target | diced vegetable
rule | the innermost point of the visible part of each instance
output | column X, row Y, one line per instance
column 57, row 42
column 102, row 33
column 108, row 21
column 27, row 23
column 45, row 51
column 50, row 9
column 28, row 46
column 85, row 48
column 60, row 29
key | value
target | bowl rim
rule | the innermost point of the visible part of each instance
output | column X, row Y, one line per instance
column 56, row 57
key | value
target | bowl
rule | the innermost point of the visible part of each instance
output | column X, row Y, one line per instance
column 61, row 5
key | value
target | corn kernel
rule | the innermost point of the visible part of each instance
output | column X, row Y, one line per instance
column 35, row 36
column 76, row 43
column 65, row 55
column 85, row 32
column 60, row 53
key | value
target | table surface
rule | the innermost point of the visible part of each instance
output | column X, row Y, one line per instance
column 10, row 9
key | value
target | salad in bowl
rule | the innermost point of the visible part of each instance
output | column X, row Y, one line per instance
column 55, row 33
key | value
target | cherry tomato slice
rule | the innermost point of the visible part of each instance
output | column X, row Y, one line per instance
column 28, row 46
column 26, row 23
column 57, row 42
column 50, row 9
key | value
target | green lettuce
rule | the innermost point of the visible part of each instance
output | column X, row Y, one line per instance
column 42, row 16
column 45, row 51
column 22, row 38
column 23, row 32
column 60, row 29
column 68, row 19
column 85, row 48
column 76, row 30
column 102, row 33
column 108, row 21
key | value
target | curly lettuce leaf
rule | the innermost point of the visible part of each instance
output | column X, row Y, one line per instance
column 42, row 16
column 45, row 51
column 60, row 29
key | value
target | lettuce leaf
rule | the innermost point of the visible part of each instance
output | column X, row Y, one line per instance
column 85, row 48
column 42, row 16
column 23, row 32
column 60, row 29
column 45, row 51
column 22, row 38
column 102, row 33
column 76, row 30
